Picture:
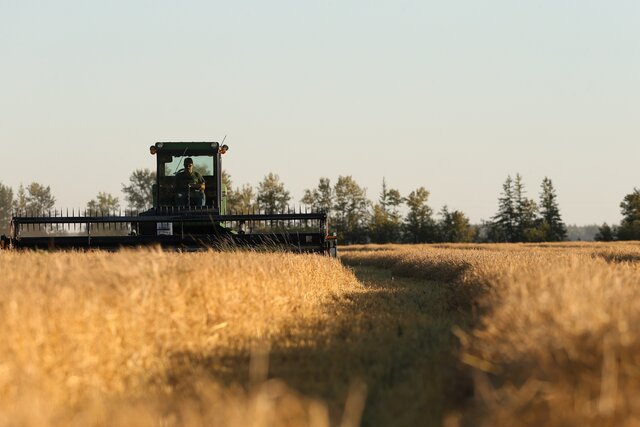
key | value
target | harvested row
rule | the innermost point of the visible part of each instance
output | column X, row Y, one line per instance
column 556, row 341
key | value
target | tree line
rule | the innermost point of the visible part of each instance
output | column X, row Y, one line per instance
column 357, row 220
column 629, row 227
column 390, row 218
column 521, row 219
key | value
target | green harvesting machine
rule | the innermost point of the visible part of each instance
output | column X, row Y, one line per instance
column 187, row 214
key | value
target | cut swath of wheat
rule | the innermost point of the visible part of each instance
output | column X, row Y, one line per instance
column 555, row 341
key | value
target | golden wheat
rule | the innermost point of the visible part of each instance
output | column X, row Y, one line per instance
column 88, row 337
column 154, row 338
column 557, row 340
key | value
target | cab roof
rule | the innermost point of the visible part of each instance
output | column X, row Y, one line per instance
column 173, row 145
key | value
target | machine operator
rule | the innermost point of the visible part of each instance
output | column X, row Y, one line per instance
column 194, row 182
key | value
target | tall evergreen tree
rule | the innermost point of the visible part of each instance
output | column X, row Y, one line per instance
column 419, row 226
column 351, row 210
column 6, row 202
column 605, row 233
column 272, row 196
column 504, row 223
column 526, row 211
column 554, row 228
column 516, row 218
column 630, row 226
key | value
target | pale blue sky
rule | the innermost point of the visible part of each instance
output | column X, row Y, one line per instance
column 453, row 96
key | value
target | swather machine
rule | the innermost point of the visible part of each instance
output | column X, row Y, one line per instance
column 176, row 220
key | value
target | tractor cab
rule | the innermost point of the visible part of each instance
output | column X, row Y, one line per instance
column 172, row 189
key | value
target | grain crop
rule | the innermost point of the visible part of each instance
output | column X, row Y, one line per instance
column 555, row 341
column 153, row 338
column 149, row 338
column 508, row 334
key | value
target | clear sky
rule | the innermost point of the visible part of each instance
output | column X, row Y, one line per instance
column 449, row 95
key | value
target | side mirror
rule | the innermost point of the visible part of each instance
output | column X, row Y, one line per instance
column 224, row 149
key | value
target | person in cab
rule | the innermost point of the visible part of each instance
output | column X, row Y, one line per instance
column 191, row 184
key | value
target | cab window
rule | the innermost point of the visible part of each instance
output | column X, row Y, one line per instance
column 175, row 164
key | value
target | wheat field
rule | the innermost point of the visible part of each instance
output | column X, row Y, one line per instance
column 388, row 335
column 153, row 338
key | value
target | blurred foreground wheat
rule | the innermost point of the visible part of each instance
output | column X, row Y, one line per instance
column 145, row 337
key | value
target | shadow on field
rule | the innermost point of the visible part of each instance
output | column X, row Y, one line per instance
column 395, row 335
column 618, row 257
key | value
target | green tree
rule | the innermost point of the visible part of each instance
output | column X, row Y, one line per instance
column 104, row 203
column 516, row 220
column 629, row 228
column 36, row 199
column 320, row 198
column 6, row 203
column 419, row 226
column 226, row 181
column 526, row 214
column 138, row 193
column 229, row 192
column 271, row 195
column 351, row 209
column 455, row 227
column 503, row 226
column 553, row 227
column 243, row 199
column 386, row 222
column 20, row 202
column 536, row 233
column 605, row 233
